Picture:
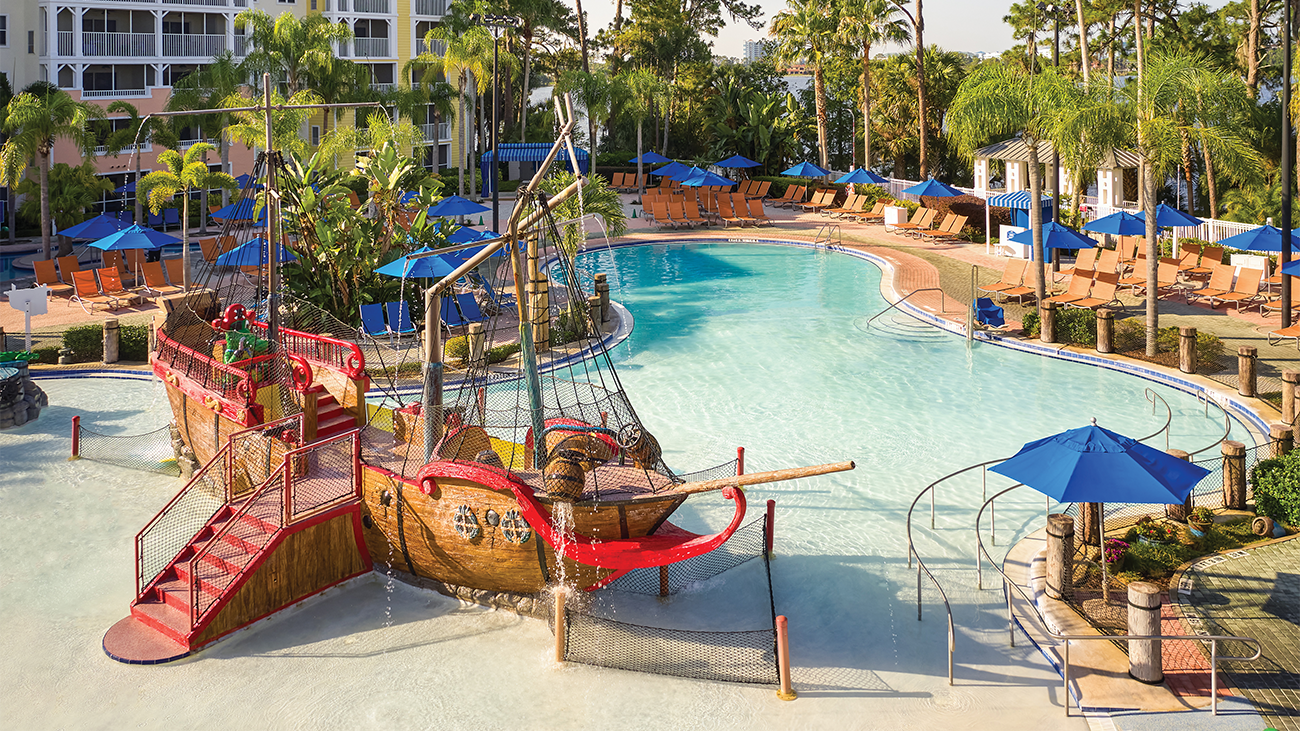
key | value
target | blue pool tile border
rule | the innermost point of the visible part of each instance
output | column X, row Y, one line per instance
column 109, row 373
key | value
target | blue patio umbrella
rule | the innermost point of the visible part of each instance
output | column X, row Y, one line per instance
column 253, row 253
column 94, row 228
column 862, row 175
column 934, row 189
column 651, row 158
column 424, row 267
column 700, row 177
column 240, row 210
column 243, row 180
column 806, row 170
column 128, row 188
column 134, row 237
column 1264, row 238
column 1169, row 217
column 737, row 161
column 456, row 258
column 674, row 170
column 1056, row 236
column 466, row 235
column 1120, row 223
column 454, row 205
column 1096, row 465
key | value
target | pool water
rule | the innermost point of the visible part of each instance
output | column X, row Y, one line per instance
column 734, row 345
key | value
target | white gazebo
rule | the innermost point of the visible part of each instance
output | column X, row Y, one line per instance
column 1014, row 152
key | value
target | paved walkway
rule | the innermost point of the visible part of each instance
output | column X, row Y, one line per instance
column 1255, row 593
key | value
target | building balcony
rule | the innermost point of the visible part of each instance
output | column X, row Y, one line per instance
column 129, row 149
column 439, row 132
column 184, row 145
column 437, row 8
column 193, row 44
column 438, row 48
column 113, row 93
column 382, row 88
column 370, row 6
column 209, row 3
column 241, row 46
column 131, row 45
column 370, row 47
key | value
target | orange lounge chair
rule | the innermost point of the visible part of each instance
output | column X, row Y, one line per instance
column 45, row 274
column 1086, row 261
column 110, row 283
column 1103, row 293
column 1220, row 283
column 921, row 219
column 1245, row 291
column 155, row 282
column 1076, row 292
column 756, row 212
column 1012, row 275
column 1108, row 261
column 1268, row 308
column 824, row 198
column 1190, row 257
column 677, row 212
column 176, row 272
column 114, row 260
column 933, row 229
column 1275, row 337
column 88, row 295
column 1211, row 256
column 952, row 233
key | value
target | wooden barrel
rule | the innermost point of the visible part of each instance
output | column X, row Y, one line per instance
column 593, row 450
column 563, row 479
column 646, row 452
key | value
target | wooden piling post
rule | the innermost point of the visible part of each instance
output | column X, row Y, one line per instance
column 594, row 318
column 1060, row 555
column 1179, row 512
column 112, row 340
column 602, row 291
column 1047, row 323
column 1246, row 370
column 1144, row 656
column 561, row 626
column 1105, row 331
column 1187, row 349
column 1289, row 380
column 1281, row 439
column 475, row 338
column 663, row 581
column 1234, row 475
column 786, row 693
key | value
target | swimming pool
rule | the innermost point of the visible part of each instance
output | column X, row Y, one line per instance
column 734, row 345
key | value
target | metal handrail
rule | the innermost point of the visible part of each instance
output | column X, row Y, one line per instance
column 1066, row 639
column 829, row 228
column 1227, row 422
column 1169, row 416
column 943, row 300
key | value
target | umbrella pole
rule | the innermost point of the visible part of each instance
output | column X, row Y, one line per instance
column 1101, row 543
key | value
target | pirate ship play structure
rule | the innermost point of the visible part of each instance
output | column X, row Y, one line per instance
column 324, row 456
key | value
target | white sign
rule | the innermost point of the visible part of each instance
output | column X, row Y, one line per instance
column 30, row 302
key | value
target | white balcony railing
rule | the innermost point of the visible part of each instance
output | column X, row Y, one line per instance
column 241, row 46
column 212, row 3
column 431, row 7
column 193, row 44
column 381, row 88
column 112, row 93
column 65, row 43
column 438, row 132
column 370, row 6
column 117, row 44
column 370, row 47
column 438, row 48
column 129, row 149
column 444, row 131
column 184, row 145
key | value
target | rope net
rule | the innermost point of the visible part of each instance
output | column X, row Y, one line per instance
column 738, row 656
column 151, row 451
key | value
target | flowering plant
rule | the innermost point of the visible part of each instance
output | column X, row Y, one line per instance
column 1115, row 549
column 1159, row 532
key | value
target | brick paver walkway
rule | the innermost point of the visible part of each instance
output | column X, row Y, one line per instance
column 1256, row 595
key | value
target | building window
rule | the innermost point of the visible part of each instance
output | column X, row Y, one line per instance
column 4, row 30
column 315, row 133
column 313, row 4
column 31, row 41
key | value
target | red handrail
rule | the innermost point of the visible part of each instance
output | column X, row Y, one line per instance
column 183, row 358
column 218, row 459
column 340, row 355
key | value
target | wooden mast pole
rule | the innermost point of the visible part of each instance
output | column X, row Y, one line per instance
column 272, row 216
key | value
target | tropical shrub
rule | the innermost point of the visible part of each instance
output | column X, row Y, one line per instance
column 85, row 341
column 1277, row 488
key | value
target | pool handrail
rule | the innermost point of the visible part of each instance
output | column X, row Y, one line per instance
column 1066, row 639
column 1227, row 422
column 943, row 302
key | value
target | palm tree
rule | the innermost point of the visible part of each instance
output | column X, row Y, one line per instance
column 137, row 132
column 535, row 14
column 35, row 119
column 467, row 58
column 182, row 174
column 865, row 23
column 206, row 88
column 1148, row 115
column 249, row 128
column 594, row 92
column 338, row 80
column 7, row 93
column 806, row 32
column 646, row 94
column 996, row 101
column 380, row 131
column 290, row 47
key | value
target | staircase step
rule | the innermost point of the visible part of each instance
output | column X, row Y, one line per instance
column 328, row 427
column 325, row 399
column 165, row 619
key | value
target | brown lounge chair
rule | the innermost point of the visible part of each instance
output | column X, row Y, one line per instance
column 155, row 282
column 88, row 295
column 1268, row 308
column 824, row 198
column 952, row 233
column 921, row 220
column 1103, row 293
column 1220, row 283
column 756, row 212
column 1076, row 292
column 1245, row 291
column 176, row 272
column 1166, row 278
column 1275, row 337
column 1211, row 256
column 1108, row 262
column 46, row 275
column 1086, row 261
column 1012, row 275
column 67, row 265
column 933, row 229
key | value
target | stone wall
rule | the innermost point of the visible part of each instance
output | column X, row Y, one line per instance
column 21, row 400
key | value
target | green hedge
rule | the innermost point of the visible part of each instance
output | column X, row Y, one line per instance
column 1131, row 334
column 1073, row 325
column 86, row 342
column 133, row 343
column 1277, row 488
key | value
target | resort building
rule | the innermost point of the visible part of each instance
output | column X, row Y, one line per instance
column 755, row 51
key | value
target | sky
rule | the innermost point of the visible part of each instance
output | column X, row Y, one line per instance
column 956, row 25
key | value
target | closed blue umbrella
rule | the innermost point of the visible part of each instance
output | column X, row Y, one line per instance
column 456, row 206
column 806, row 170
column 1120, row 223
column 134, row 237
column 1264, row 238
column 1170, row 217
column 863, row 176
column 253, row 253
column 1056, row 236
column 737, row 161
column 651, row 158
column 934, row 189
column 674, row 170
column 94, row 228
column 424, row 267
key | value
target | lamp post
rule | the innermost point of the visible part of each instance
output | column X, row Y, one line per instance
column 1286, row 162
column 1055, row 13
column 497, row 23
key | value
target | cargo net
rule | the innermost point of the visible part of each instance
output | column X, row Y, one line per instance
column 488, row 414
column 150, row 452
column 741, row 656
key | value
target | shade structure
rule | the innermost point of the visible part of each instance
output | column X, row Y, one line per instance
column 1170, row 217
column 1096, row 465
column 94, row 228
column 862, row 176
column 934, row 189
column 674, row 170
column 134, row 237
column 651, row 158
column 737, row 161
column 1056, row 236
column 456, row 206
column 806, row 170
column 700, row 177
column 253, row 253
column 1019, row 202
column 1264, row 238
column 424, row 267
column 1120, row 223
column 534, row 152
column 240, row 210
